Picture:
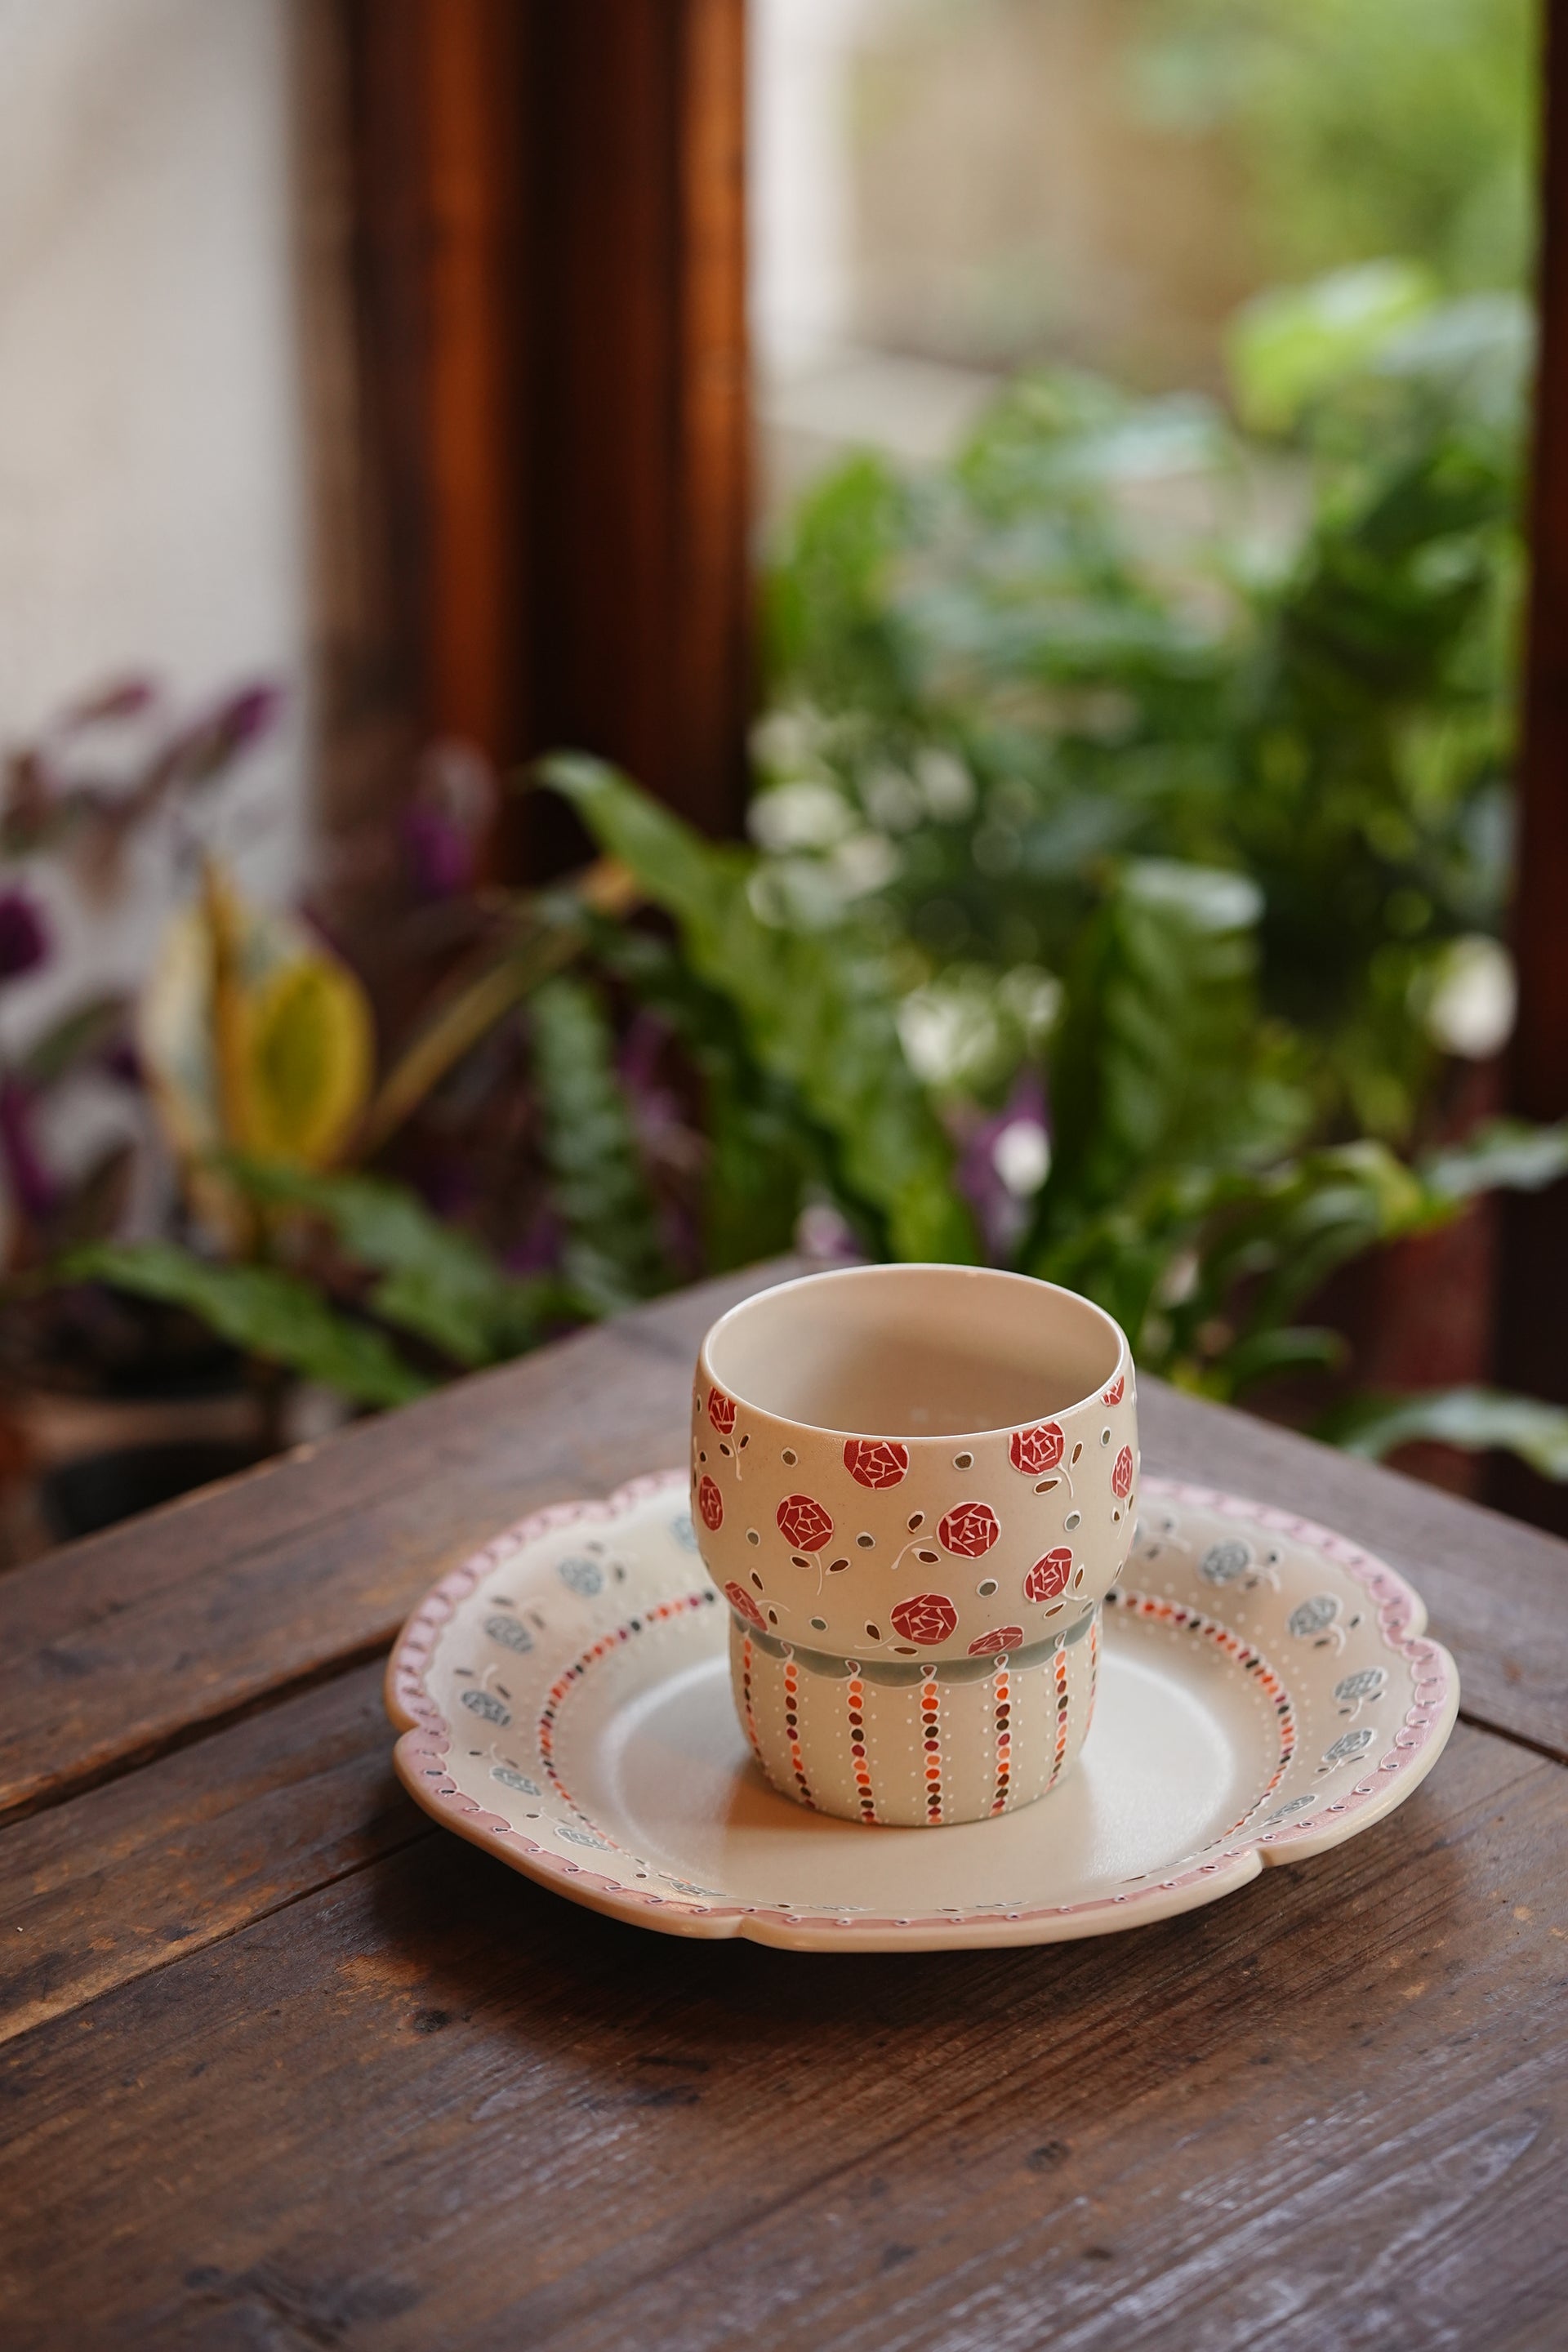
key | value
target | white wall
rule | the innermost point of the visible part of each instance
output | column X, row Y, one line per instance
column 798, row 161
column 152, row 500
column 822, row 387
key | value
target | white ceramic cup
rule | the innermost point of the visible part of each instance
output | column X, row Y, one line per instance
column 914, row 1485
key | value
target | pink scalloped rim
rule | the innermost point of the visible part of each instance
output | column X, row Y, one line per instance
column 426, row 1737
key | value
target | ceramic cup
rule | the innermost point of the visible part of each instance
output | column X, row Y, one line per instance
column 914, row 1485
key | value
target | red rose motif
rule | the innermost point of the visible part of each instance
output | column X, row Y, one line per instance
column 722, row 1411
column 1121, row 1477
column 969, row 1530
column 710, row 1505
column 1116, row 1392
column 1000, row 1637
column 1034, row 1451
column 741, row 1601
column 806, row 1525
column 1048, row 1576
column 927, row 1618
column 875, row 1461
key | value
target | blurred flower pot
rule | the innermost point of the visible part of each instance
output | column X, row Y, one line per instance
column 80, row 1496
column 111, row 1405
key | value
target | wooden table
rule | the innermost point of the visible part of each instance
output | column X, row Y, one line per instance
column 287, row 2066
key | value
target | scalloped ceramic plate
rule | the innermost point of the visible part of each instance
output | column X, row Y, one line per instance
column 1267, row 1690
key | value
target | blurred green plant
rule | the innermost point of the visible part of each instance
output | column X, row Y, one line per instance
column 1179, row 1186
column 1361, row 127
column 1469, row 1418
column 347, row 1266
column 611, row 1255
column 1117, row 628
column 1128, row 865
column 818, row 1015
column 281, row 1316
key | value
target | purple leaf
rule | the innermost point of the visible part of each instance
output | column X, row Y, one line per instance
column 448, row 821
column 993, row 1171
column 23, row 935
column 206, row 747
column 248, row 715
column 440, row 854
column 539, row 1249
column 121, row 698
column 35, row 1190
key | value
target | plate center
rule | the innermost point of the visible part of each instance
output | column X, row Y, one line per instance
column 1180, row 1747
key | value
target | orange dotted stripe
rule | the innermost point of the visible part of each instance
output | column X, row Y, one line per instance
column 1209, row 1629
column 1004, row 1711
column 864, row 1796
column 930, row 1748
column 791, row 1732
column 1061, row 1748
column 747, row 1654
column 545, row 1732
column 1093, row 1671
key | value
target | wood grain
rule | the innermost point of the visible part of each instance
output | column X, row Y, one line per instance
column 166, row 1860
column 431, row 2105
column 118, row 1646
column 286, row 2068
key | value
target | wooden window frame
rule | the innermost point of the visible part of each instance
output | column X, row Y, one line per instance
column 548, row 254
column 1531, row 1349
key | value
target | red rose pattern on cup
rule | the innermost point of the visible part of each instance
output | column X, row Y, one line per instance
column 1032, row 1451
column 876, row 1461
column 803, row 1523
column 1000, row 1637
column 710, row 1504
column 741, row 1601
column 1048, row 1576
column 927, row 1618
column 969, row 1530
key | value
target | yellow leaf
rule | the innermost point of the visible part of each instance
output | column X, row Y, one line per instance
column 254, row 1038
column 307, row 1062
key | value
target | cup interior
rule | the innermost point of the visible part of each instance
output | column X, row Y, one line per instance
column 914, row 1350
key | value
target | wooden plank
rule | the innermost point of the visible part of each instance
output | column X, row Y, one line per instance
column 1533, row 1302
column 1301, row 2146
column 168, row 1860
column 120, row 1644
column 432, row 2104
column 117, row 1647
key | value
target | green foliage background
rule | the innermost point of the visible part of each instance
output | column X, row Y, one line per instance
column 1133, row 796
column 1362, row 127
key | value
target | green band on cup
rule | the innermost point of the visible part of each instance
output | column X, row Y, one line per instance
column 900, row 1673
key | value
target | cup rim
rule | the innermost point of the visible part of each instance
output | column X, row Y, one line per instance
column 894, row 1269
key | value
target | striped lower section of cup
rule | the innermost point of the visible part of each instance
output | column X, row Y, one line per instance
column 936, row 1748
